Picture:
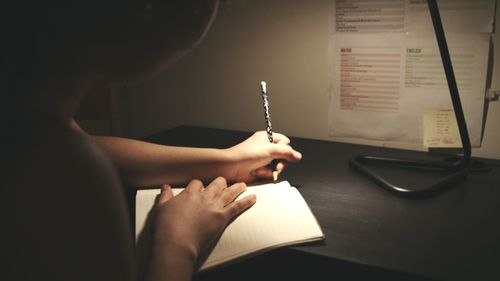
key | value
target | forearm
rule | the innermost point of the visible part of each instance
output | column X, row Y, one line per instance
column 145, row 164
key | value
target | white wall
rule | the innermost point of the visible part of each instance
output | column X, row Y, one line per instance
column 282, row 42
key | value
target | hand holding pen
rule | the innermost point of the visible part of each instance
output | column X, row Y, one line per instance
column 261, row 156
column 252, row 157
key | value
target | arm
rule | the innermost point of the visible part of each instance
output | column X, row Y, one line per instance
column 146, row 164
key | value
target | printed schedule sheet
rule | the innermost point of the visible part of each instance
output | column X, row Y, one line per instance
column 386, row 70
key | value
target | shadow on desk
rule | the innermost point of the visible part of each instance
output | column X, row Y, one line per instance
column 283, row 264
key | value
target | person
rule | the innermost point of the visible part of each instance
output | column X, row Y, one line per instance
column 64, row 215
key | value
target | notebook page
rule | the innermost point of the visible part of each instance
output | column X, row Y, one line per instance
column 279, row 217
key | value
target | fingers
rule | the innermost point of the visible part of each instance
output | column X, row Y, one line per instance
column 194, row 186
column 263, row 172
column 236, row 208
column 216, row 186
column 277, row 137
column 231, row 193
column 280, row 138
column 227, row 196
column 219, row 188
column 285, row 152
column 266, row 172
column 218, row 191
column 165, row 194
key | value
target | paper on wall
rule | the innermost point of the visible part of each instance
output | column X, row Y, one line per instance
column 412, row 16
column 440, row 128
column 386, row 69
column 383, row 82
column 456, row 15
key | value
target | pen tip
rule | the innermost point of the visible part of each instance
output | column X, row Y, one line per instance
column 275, row 175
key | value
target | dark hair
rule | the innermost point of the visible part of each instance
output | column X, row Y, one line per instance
column 30, row 28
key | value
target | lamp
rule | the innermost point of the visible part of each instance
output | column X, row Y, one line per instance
column 457, row 167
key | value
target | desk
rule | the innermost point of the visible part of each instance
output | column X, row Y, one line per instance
column 369, row 232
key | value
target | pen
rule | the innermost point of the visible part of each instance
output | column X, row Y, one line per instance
column 269, row 127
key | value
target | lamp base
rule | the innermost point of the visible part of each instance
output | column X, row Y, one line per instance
column 455, row 169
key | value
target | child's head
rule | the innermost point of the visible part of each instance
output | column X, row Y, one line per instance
column 118, row 39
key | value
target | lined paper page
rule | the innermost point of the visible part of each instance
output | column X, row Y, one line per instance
column 279, row 217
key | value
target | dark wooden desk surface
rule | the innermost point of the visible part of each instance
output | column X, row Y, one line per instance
column 452, row 236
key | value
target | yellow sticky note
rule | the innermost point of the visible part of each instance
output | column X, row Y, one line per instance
column 440, row 128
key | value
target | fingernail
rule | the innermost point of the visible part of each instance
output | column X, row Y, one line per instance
column 280, row 166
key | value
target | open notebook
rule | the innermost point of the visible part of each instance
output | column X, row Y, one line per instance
column 280, row 217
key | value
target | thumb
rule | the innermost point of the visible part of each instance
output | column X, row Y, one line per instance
column 166, row 194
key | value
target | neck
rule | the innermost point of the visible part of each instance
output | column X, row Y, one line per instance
column 57, row 90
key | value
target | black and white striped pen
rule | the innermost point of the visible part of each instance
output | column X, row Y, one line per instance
column 269, row 127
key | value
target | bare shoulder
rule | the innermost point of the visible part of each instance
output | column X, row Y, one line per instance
column 67, row 214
